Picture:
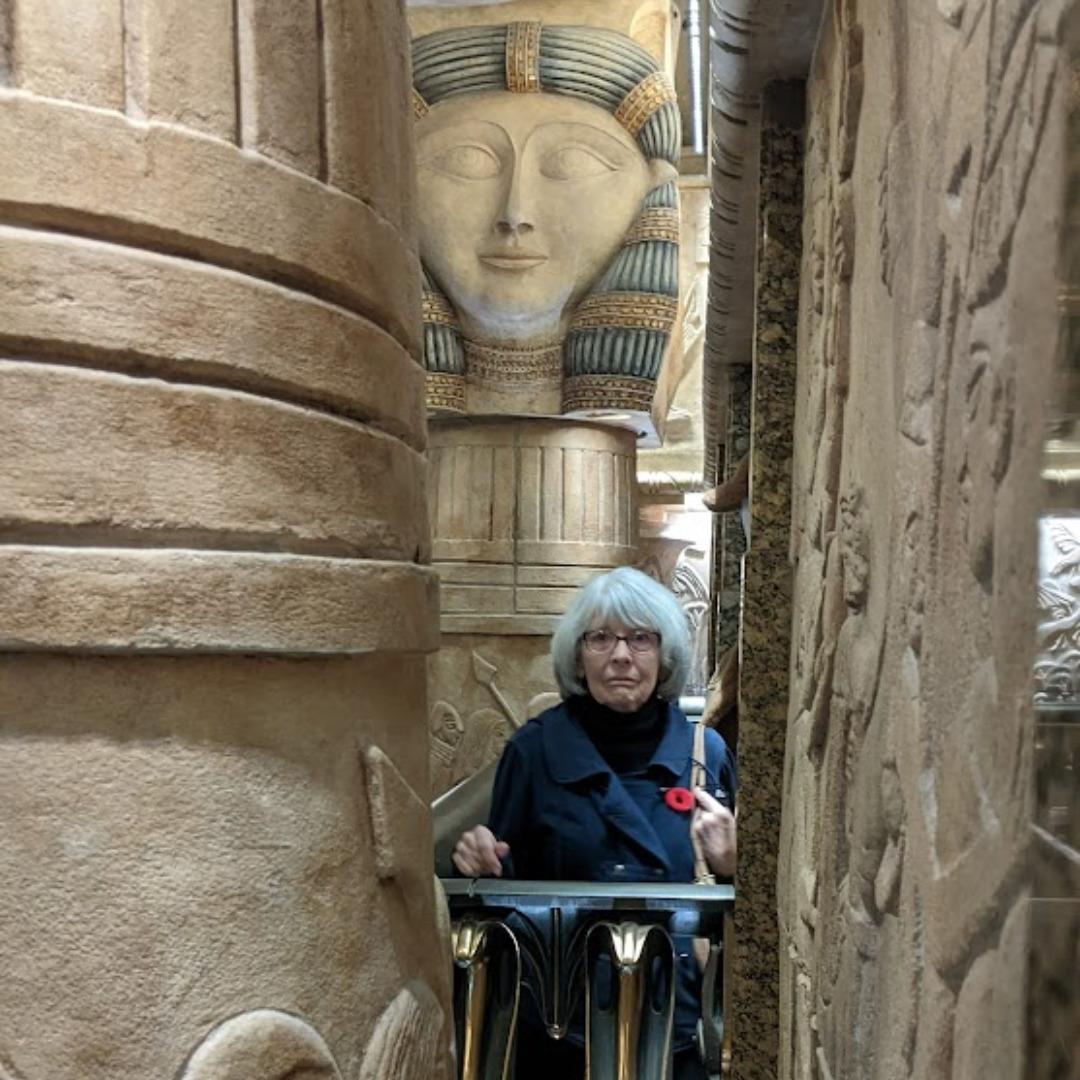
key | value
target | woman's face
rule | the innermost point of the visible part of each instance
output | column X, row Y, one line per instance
column 524, row 200
column 621, row 679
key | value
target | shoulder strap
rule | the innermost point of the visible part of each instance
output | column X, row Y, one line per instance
column 702, row 874
column 697, row 762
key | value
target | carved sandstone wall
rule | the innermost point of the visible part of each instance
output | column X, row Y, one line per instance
column 524, row 511
column 926, row 337
column 215, row 859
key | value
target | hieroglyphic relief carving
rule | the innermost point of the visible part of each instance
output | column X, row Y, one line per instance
column 922, row 386
column 465, row 738
column 461, row 746
column 693, row 596
column 268, row 1043
column 405, row 1043
column 259, row 1044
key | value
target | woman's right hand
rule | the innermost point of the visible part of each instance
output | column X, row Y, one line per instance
column 477, row 853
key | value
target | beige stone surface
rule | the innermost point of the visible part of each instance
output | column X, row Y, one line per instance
column 201, row 467
column 61, row 50
column 216, row 860
column 279, row 100
column 165, row 600
column 177, row 319
column 483, row 687
column 191, row 844
column 926, row 334
column 191, row 195
column 523, row 511
column 180, row 63
column 679, row 460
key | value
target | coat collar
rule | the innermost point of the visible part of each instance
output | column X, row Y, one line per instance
column 571, row 757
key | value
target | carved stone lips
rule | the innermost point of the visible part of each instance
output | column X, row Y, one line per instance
column 513, row 260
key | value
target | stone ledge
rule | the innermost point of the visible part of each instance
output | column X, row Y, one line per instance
column 127, row 310
column 194, row 195
column 111, row 600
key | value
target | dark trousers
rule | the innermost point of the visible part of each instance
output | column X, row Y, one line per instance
column 541, row 1058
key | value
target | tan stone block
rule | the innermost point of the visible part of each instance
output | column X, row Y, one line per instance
column 510, row 625
column 281, row 106
column 112, row 600
column 565, row 553
column 72, row 51
column 197, row 196
column 476, row 599
column 467, row 721
column 127, row 309
column 989, row 1024
column 555, row 575
column 466, row 573
column 367, row 88
column 544, row 601
column 192, row 832
column 496, row 551
column 181, row 63
column 182, row 466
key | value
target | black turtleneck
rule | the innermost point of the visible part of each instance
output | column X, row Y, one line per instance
column 626, row 741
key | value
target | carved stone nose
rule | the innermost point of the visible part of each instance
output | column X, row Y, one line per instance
column 509, row 224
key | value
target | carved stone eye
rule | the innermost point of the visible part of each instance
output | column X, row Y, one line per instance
column 466, row 161
column 574, row 163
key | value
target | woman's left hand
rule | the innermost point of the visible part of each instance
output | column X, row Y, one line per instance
column 714, row 829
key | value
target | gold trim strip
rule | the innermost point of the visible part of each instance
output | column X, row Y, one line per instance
column 655, row 223
column 607, row 392
column 643, row 100
column 435, row 309
column 523, row 57
column 490, row 364
column 645, row 311
column 445, row 392
column 420, row 107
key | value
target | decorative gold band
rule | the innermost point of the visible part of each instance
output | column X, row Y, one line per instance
column 655, row 223
column 491, row 364
column 445, row 393
column 645, row 98
column 435, row 309
column 645, row 311
column 607, row 392
column 523, row 57
column 420, row 107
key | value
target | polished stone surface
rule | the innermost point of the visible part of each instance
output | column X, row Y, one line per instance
column 763, row 685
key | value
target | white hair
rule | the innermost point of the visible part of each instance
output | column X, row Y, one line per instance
column 634, row 599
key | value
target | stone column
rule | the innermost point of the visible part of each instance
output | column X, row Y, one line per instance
column 934, row 172
column 765, row 638
column 215, row 859
column 524, row 510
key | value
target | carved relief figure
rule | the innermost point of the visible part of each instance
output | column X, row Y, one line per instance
column 548, row 218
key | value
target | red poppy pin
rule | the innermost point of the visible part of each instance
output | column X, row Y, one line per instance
column 679, row 799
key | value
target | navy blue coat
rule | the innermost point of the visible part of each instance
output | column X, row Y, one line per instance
column 568, row 817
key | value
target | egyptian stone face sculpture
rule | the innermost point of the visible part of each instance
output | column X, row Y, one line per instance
column 548, row 218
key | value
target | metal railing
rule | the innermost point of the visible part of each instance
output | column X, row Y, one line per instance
column 552, row 940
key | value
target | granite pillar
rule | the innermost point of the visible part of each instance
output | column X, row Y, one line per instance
column 732, row 536
column 766, row 624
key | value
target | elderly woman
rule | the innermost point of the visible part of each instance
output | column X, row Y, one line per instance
column 580, row 791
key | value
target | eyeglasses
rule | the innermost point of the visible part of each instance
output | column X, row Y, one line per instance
column 637, row 641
